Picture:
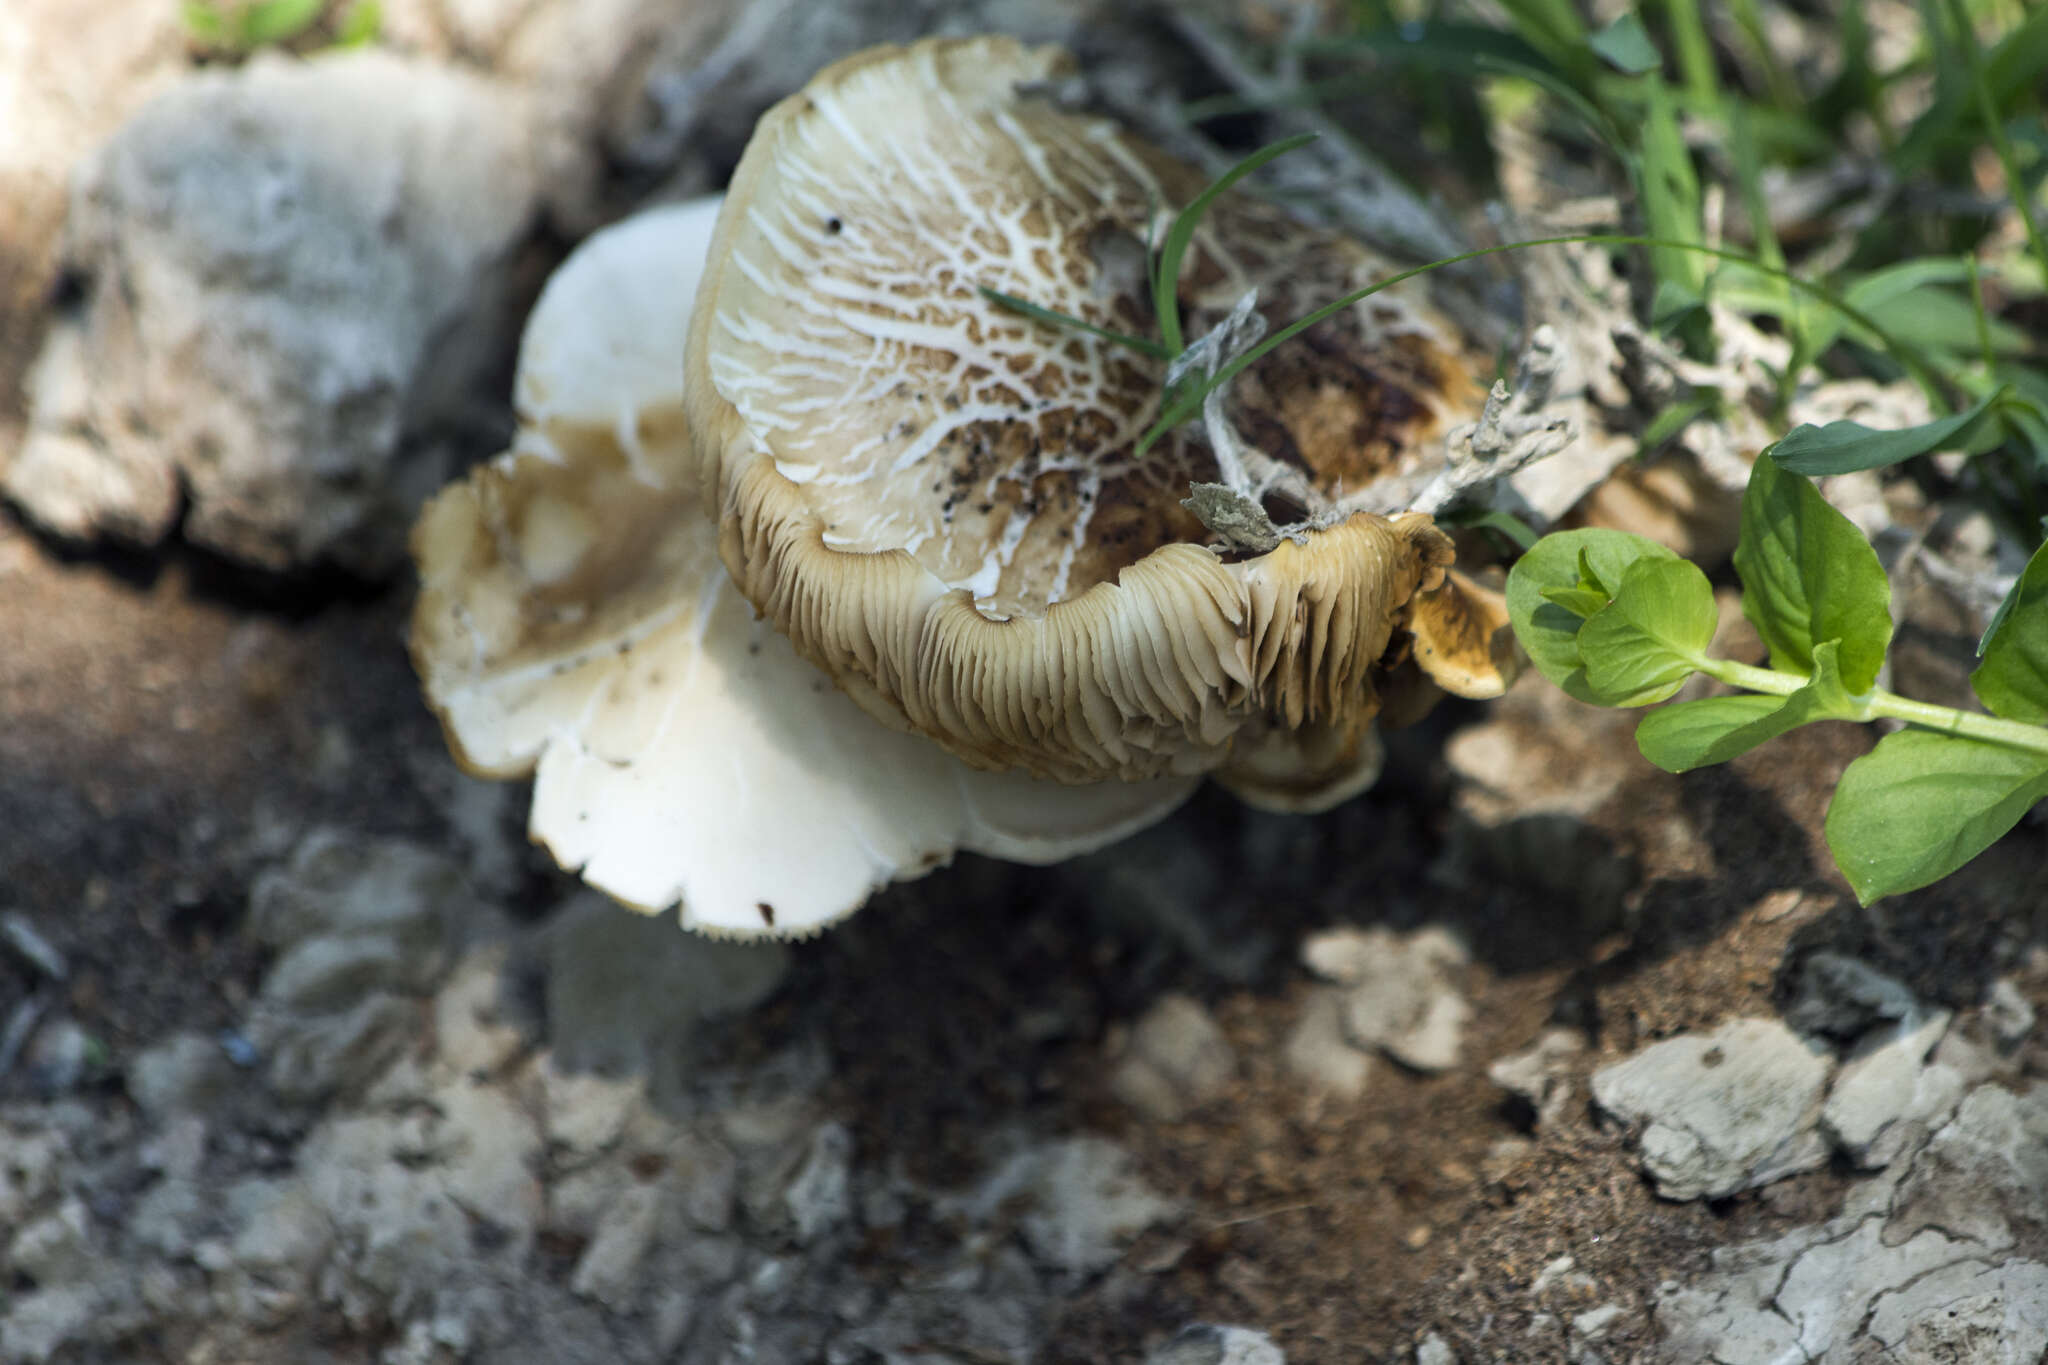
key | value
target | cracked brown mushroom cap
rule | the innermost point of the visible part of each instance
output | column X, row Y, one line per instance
column 939, row 501
column 574, row 623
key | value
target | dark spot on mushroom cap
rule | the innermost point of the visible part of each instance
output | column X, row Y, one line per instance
column 1713, row 1056
column 767, row 913
column 834, row 226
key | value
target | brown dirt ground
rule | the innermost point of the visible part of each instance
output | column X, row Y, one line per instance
column 168, row 728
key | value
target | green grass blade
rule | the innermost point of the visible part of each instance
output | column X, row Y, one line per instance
column 1166, row 282
column 1056, row 319
column 1185, row 404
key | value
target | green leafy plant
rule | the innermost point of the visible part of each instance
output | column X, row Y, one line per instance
column 245, row 25
column 1618, row 620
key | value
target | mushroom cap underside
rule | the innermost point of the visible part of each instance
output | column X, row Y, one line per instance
column 940, row 501
column 574, row 622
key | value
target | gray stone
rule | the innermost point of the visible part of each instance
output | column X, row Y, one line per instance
column 1206, row 1344
column 1843, row 997
column 609, row 1270
column 1971, row 1313
column 1540, row 1073
column 820, row 1195
column 1082, row 1199
column 1401, row 992
column 322, row 974
column 40, row 1324
column 340, row 884
column 182, row 1074
column 1885, row 1096
column 2007, row 1012
column 470, row 1032
column 69, row 75
column 1318, row 1051
column 1175, row 1060
column 1983, row 1169
column 295, row 271
column 56, row 1248
column 33, row 1159
column 1434, row 1350
column 1722, row 1111
column 313, row 1057
column 26, row 942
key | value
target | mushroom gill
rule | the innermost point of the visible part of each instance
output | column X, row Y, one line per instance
column 940, row 502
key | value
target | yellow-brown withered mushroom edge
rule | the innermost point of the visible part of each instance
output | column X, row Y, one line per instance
column 939, row 501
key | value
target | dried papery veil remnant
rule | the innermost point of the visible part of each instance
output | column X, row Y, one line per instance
column 574, row 622
column 940, row 501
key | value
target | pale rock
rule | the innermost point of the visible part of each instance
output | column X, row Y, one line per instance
column 1595, row 1323
column 339, row 884
column 317, row 975
column 170, row 1217
column 584, row 1113
column 32, row 1163
column 2010, row 1016
column 609, row 1270
column 294, row 271
column 56, row 1248
column 1967, row 1313
column 181, row 1074
column 39, row 1324
column 178, row 1149
column 321, row 1055
column 1318, row 1051
column 1434, row 1350
column 1885, row 1095
column 69, row 75
column 1722, row 1111
column 1984, row 1168
column 470, row 1031
column 1082, row 1199
column 1175, row 1059
column 1206, row 1344
column 820, row 1195
column 1844, row 997
column 1540, row 1073
column 1401, row 992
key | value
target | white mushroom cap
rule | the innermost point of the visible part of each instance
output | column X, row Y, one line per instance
column 939, row 501
column 574, row 621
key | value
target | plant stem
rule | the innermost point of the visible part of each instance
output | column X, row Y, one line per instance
column 1750, row 678
column 1874, row 704
column 1971, row 724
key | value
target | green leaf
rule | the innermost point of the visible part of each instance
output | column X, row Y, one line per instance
column 1580, row 602
column 1921, row 804
column 365, row 19
column 278, row 21
column 1693, row 734
column 1624, row 46
column 1166, row 284
column 1492, row 519
column 1644, row 644
column 1840, row 447
column 2013, row 679
column 206, row 22
column 1563, row 561
column 1808, row 576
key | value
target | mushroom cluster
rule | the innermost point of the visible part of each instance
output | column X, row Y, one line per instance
column 864, row 569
